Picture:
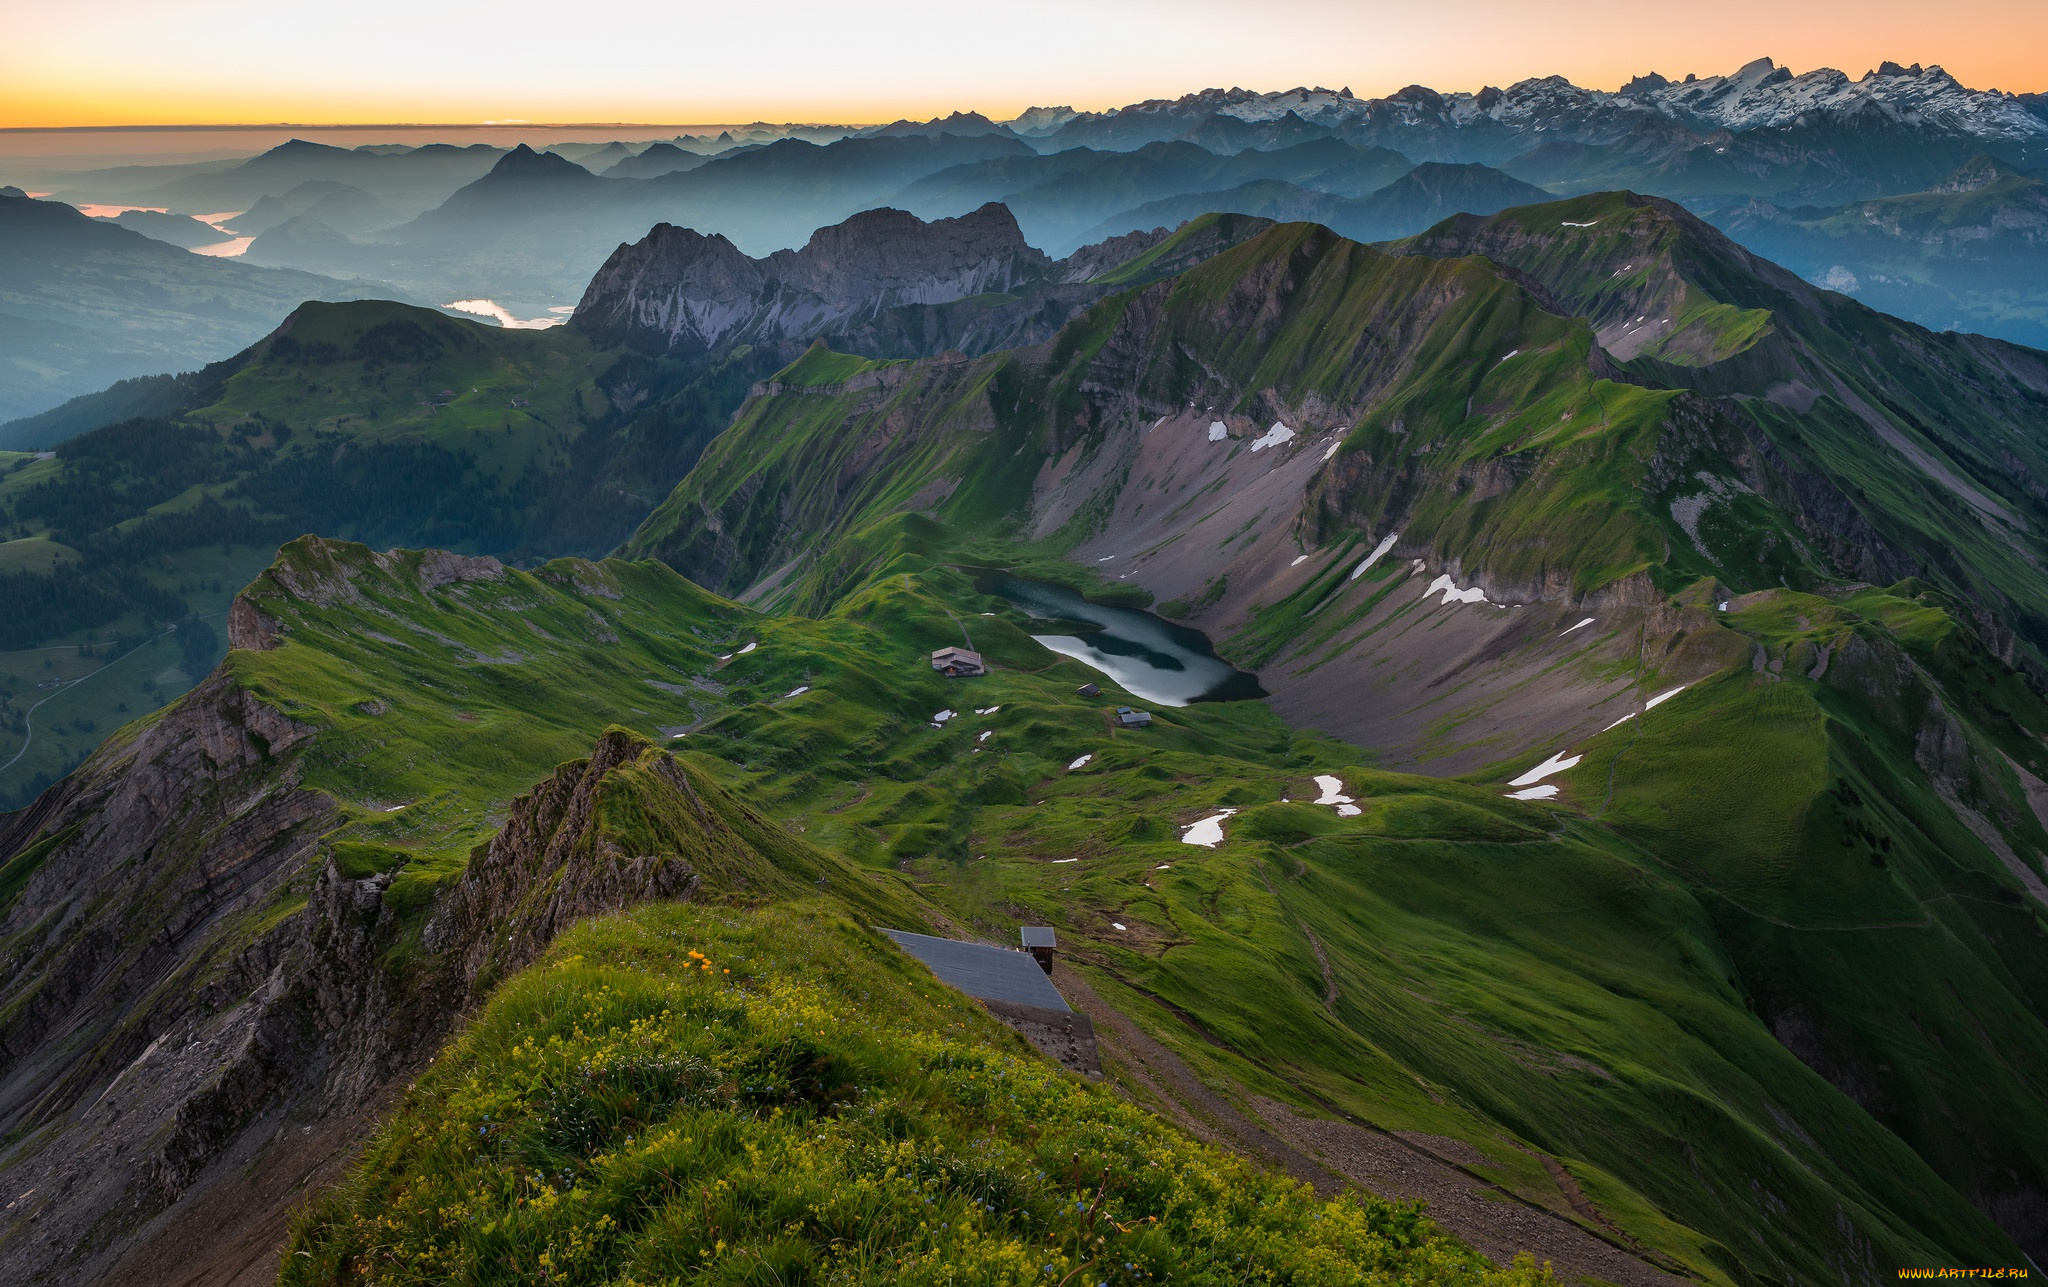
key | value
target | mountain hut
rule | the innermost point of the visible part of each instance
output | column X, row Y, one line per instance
column 958, row 663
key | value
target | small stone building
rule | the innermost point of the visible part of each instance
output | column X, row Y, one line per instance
column 1038, row 940
column 1015, row 989
column 958, row 663
column 1129, row 718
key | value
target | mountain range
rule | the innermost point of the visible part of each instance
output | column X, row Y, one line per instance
column 1508, row 694
column 393, row 424
column 1761, row 152
column 1641, row 824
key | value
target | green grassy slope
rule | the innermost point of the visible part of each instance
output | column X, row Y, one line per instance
column 1489, row 426
column 1503, row 973
column 1467, row 373
column 1931, row 440
column 780, row 1096
column 375, row 420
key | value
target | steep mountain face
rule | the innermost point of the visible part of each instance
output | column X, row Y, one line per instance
column 681, row 291
column 1615, row 494
column 884, row 283
column 1442, row 985
column 403, row 426
column 214, row 941
column 85, row 303
column 1943, row 427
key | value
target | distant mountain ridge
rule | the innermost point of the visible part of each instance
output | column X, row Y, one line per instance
column 85, row 302
column 695, row 292
column 1758, row 95
column 884, row 282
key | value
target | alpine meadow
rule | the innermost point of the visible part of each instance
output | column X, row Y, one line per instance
column 1435, row 688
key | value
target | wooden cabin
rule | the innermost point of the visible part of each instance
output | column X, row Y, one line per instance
column 958, row 663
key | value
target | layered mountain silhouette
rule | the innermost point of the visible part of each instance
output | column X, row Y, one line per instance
column 85, row 302
column 1690, row 616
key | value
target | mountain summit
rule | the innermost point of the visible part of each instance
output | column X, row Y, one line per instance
column 679, row 290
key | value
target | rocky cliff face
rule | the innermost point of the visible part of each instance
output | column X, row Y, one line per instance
column 683, row 292
column 882, row 284
column 196, row 986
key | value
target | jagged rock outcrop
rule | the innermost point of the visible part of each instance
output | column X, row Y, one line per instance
column 194, row 980
column 680, row 291
column 882, row 284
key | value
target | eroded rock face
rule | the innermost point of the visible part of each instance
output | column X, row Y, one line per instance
column 120, row 1060
column 552, row 865
column 683, row 292
column 190, row 983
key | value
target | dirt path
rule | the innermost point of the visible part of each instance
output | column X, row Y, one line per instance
column 1331, row 1154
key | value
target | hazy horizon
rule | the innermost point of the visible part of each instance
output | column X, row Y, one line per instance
column 131, row 63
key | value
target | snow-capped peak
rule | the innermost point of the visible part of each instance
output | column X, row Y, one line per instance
column 1757, row 95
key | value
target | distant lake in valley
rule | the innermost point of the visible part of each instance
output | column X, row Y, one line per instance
column 1149, row 656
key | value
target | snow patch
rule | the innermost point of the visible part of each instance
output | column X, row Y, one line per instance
column 749, row 648
column 1333, row 449
column 1347, row 810
column 1273, row 437
column 1589, row 223
column 798, row 691
column 986, row 734
column 1218, row 431
column 1374, row 557
column 943, row 716
column 1080, row 763
column 1299, row 559
column 1452, row 594
column 1545, row 792
column 1665, row 696
column 1332, row 788
column 1120, row 925
column 1555, row 764
column 1511, row 353
column 1206, row 832
column 1562, row 633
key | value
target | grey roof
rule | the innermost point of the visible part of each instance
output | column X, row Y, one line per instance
column 1038, row 936
column 990, row 973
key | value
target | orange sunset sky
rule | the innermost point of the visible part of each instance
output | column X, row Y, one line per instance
column 110, row 62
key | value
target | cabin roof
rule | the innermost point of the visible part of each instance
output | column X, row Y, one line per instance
column 984, row 972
